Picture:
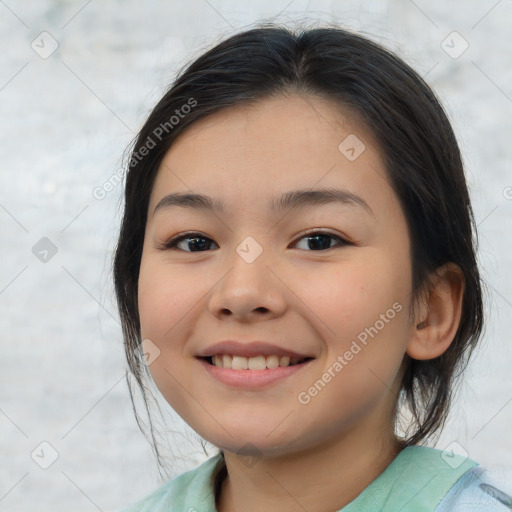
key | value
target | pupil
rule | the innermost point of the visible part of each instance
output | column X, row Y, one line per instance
column 316, row 245
column 200, row 246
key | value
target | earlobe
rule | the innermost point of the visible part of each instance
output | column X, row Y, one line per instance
column 434, row 330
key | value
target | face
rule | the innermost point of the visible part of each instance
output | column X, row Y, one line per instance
column 325, row 279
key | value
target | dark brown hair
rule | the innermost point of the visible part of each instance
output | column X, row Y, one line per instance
column 421, row 155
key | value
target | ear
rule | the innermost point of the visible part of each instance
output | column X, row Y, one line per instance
column 438, row 320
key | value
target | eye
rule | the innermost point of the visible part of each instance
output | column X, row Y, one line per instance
column 321, row 240
column 190, row 240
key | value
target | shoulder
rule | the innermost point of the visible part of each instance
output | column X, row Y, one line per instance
column 190, row 491
column 476, row 491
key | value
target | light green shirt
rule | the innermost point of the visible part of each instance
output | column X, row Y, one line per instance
column 415, row 481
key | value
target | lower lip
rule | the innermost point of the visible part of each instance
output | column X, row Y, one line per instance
column 251, row 379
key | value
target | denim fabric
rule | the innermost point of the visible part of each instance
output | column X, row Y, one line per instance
column 475, row 492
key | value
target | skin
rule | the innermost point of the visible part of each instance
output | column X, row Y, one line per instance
column 310, row 300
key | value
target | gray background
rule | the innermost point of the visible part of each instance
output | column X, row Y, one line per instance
column 65, row 120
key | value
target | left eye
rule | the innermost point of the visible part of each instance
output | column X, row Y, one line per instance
column 321, row 240
column 196, row 242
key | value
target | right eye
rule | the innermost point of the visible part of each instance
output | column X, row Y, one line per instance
column 199, row 242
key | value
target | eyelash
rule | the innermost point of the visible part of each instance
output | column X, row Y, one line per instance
column 173, row 242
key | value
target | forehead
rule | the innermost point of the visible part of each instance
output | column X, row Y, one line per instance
column 249, row 153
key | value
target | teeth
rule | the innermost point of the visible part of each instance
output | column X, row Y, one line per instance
column 272, row 361
column 253, row 363
column 239, row 363
column 284, row 361
column 256, row 363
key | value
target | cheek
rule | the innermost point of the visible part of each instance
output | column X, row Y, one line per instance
column 353, row 296
column 164, row 297
column 166, row 300
column 364, row 323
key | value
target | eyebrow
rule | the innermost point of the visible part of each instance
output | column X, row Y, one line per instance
column 289, row 200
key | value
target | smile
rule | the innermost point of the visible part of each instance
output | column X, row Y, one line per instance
column 260, row 362
column 252, row 372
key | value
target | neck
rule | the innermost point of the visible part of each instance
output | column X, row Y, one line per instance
column 323, row 478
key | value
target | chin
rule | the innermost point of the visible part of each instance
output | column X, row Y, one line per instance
column 254, row 442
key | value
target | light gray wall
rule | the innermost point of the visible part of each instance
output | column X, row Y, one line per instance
column 65, row 120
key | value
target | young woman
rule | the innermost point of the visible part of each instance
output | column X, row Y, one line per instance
column 297, row 264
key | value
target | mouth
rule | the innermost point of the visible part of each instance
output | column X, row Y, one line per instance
column 259, row 362
column 253, row 372
column 252, row 365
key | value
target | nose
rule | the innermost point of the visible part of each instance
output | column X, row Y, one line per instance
column 248, row 292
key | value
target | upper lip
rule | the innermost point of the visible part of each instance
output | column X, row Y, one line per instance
column 248, row 349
